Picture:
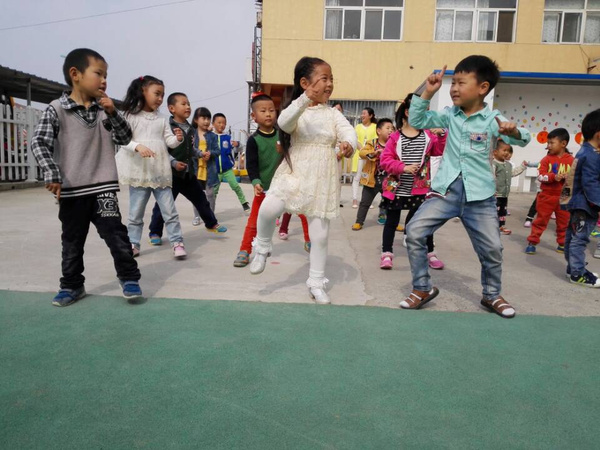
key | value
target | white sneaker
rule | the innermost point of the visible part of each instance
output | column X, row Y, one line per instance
column 179, row 251
column 319, row 296
column 404, row 242
column 258, row 263
column 197, row 221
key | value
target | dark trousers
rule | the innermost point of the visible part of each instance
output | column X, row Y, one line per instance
column 368, row 194
column 392, row 221
column 102, row 210
column 533, row 209
column 502, row 207
column 191, row 189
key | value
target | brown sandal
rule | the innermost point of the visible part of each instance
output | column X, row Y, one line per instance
column 499, row 305
column 417, row 299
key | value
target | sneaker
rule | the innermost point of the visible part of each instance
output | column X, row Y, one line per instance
column 66, row 297
column 179, row 251
column 505, row 231
column 136, row 250
column 155, row 239
column 434, row 262
column 197, row 221
column 355, row 204
column 553, row 216
column 527, row 224
column 387, row 261
column 242, row 259
column 400, row 228
column 131, row 289
column 381, row 219
column 560, row 249
column 371, row 207
column 246, row 207
column 530, row 249
column 507, row 212
column 595, row 233
column 283, row 236
column 258, row 263
column 217, row 229
column 277, row 222
column 319, row 295
column 404, row 242
column 596, row 253
column 587, row 279
column 357, row 226
column 307, row 246
column 568, row 274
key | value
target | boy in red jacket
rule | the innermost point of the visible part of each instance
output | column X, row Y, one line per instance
column 551, row 174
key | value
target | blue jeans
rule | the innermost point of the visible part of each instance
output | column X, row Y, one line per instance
column 480, row 219
column 580, row 226
column 138, row 199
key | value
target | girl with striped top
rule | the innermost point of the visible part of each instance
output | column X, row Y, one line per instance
column 406, row 159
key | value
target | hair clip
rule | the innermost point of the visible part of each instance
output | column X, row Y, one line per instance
column 141, row 78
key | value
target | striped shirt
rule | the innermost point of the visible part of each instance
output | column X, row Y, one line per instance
column 412, row 153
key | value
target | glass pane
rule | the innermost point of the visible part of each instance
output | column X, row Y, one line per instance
column 565, row 4
column 571, row 27
column 551, row 27
column 333, row 24
column 485, row 28
column 373, row 24
column 592, row 29
column 396, row 3
column 344, row 3
column 496, row 3
column 593, row 4
column 444, row 24
column 463, row 27
column 506, row 22
column 352, row 24
column 456, row 3
column 392, row 24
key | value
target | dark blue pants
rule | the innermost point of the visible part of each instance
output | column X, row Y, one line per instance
column 580, row 226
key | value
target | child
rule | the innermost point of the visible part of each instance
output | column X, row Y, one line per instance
column 365, row 132
column 552, row 172
column 185, row 182
column 464, row 186
column 225, row 162
column 285, row 227
column 372, row 175
column 306, row 182
column 504, row 171
column 406, row 159
column 145, row 164
column 83, row 174
column 208, row 144
column 262, row 159
column 584, row 204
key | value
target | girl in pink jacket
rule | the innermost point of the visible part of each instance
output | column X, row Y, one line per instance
column 406, row 159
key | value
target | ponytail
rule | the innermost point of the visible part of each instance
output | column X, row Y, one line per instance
column 134, row 99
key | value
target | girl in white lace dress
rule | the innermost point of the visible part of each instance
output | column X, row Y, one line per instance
column 307, row 180
column 145, row 164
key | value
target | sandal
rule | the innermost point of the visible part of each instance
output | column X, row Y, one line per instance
column 505, row 231
column 500, row 307
column 417, row 299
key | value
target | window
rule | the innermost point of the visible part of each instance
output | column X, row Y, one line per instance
column 369, row 20
column 480, row 20
column 572, row 22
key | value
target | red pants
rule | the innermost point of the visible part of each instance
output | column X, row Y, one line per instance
column 250, row 231
column 285, row 222
column 546, row 205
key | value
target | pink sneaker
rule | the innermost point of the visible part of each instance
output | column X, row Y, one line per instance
column 387, row 261
column 283, row 236
column 434, row 262
column 179, row 250
column 553, row 216
column 527, row 224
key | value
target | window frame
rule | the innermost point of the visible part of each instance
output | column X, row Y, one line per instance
column 475, row 23
column 363, row 18
column 584, row 12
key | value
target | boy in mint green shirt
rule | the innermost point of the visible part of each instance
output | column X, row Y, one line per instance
column 464, row 185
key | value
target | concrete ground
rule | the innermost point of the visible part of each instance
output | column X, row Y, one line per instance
column 30, row 239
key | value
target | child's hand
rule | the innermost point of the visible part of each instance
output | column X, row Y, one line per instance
column 279, row 148
column 339, row 155
column 258, row 189
column 438, row 131
column 178, row 134
column 315, row 91
column 559, row 176
column 508, row 128
column 180, row 166
column 412, row 169
column 205, row 156
column 433, row 83
column 346, row 149
column 525, row 163
column 55, row 189
column 144, row 151
column 107, row 104
column 235, row 143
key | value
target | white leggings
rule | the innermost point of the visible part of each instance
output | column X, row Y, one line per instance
column 271, row 208
column 356, row 179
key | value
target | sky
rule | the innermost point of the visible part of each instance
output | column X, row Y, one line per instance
column 198, row 47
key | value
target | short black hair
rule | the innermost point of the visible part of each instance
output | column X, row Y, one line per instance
column 559, row 133
column 171, row 99
column 217, row 115
column 482, row 67
column 80, row 59
column 383, row 121
column 590, row 125
column 260, row 98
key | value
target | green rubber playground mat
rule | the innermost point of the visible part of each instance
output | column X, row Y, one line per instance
column 171, row 374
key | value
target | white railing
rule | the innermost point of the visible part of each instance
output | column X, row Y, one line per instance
column 16, row 130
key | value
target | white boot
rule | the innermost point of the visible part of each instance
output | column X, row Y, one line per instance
column 316, row 290
column 261, row 250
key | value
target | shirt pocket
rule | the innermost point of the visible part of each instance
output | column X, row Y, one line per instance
column 479, row 142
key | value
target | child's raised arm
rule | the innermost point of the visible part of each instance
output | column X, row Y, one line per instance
column 511, row 134
column 288, row 119
column 422, row 119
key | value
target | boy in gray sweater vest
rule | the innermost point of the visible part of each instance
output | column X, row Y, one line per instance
column 74, row 144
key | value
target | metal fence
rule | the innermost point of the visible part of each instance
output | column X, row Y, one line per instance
column 16, row 130
column 353, row 108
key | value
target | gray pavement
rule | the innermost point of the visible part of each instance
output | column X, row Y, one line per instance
column 30, row 242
